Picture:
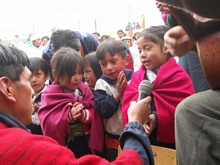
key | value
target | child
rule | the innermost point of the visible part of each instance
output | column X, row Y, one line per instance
column 92, row 70
column 109, row 89
column 40, row 73
column 171, row 84
column 67, row 113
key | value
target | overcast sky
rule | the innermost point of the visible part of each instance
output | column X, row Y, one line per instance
column 40, row 16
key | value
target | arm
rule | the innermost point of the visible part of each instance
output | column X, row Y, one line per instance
column 105, row 104
column 134, row 136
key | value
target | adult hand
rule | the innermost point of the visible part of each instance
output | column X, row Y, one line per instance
column 139, row 111
column 163, row 7
column 177, row 41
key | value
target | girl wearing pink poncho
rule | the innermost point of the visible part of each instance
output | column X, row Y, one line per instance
column 171, row 84
column 67, row 112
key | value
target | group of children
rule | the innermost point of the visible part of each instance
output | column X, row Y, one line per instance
column 85, row 107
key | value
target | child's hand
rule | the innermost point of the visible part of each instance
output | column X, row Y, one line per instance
column 121, row 82
column 36, row 107
column 76, row 111
column 150, row 125
column 121, row 85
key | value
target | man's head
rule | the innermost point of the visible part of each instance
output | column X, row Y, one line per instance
column 64, row 38
column 15, row 89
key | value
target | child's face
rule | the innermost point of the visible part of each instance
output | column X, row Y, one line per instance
column 151, row 54
column 89, row 76
column 37, row 81
column 112, row 65
column 120, row 35
column 128, row 42
column 70, row 85
column 45, row 41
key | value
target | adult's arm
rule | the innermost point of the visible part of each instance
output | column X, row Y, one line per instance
column 135, row 138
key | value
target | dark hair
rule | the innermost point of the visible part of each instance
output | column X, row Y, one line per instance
column 105, row 36
column 65, row 61
column 12, row 62
column 92, row 61
column 64, row 38
column 45, row 37
column 37, row 63
column 154, row 34
column 111, row 46
column 96, row 33
column 120, row 31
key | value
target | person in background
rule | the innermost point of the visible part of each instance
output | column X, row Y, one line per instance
column 83, row 42
column 197, row 118
column 61, row 38
column 28, row 42
column 137, row 26
column 40, row 72
column 88, row 43
column 105, row 38
column 129, row 26
column 97, row 36
column 171, row 84
column 37, row 49
column 127, row 40
column 130, row 63
column 44, row 40
column 120, row 34
column 135, row 52
column 92, row 70
column 109, row 89
column 15, row 111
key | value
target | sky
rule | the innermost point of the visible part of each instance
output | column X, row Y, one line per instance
column 23, row 17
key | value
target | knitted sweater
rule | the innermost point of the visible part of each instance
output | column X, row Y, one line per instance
column 19, row 146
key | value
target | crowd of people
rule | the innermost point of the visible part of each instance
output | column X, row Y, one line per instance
column 72, row 98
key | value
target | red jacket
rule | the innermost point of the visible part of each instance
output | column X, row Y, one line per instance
column 18, row 146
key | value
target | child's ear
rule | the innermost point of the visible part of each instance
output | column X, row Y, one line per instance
column 47, row 77
column 165, row 50
column 53, row 74
column 127, row 59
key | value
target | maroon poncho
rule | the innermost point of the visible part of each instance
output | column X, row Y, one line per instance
column 54, row 111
